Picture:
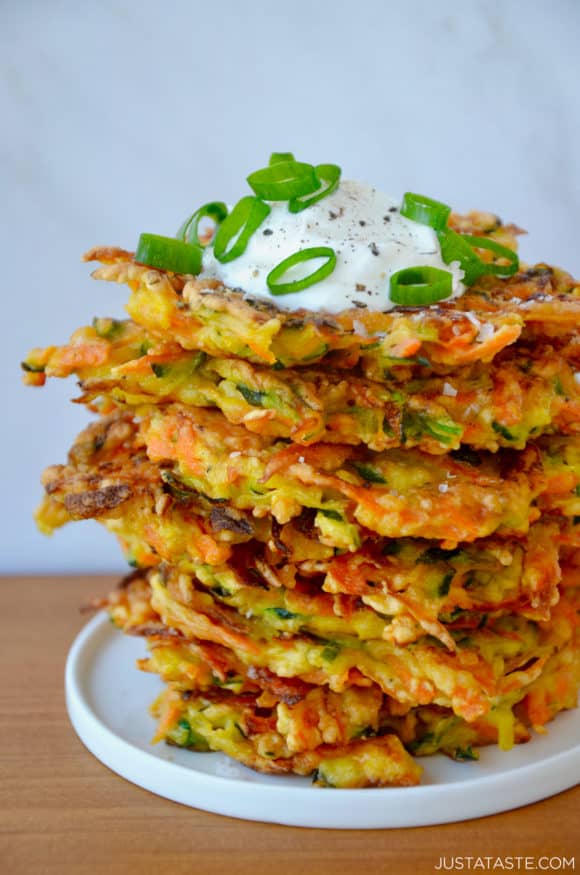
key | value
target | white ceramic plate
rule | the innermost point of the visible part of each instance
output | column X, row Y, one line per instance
column 108, row 701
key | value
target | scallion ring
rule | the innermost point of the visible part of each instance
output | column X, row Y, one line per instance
column 420, row 286
column 167, row 253
column 328, row 176
column 454, row 247
column 277, row 157
column 314, row 252
column 283, row 180
column 498, row 250
column 425, row 210
column 189, row 231
column 247, row 215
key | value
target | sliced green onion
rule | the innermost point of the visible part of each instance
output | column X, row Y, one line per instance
column 277, row 157
column 454, row 247
column 328, row 176
column 167, row 253
column 461, row 248
column 189, row 231
column 280, row 288
column 425, row 210
column 500, row 251
column 419, row 286
column 283, row 180
column 247, row 215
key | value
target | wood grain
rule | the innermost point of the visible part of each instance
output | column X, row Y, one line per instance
column 63, row 813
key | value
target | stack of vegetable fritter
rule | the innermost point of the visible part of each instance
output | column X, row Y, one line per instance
column 355, row 536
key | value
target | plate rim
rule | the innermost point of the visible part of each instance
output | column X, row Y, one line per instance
column 366, row 808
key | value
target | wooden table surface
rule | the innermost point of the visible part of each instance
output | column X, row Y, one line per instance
column 63, row 812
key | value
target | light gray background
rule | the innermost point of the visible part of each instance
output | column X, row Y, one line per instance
column 120, row 117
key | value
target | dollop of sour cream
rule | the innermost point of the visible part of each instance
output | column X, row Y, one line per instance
column 371, row 238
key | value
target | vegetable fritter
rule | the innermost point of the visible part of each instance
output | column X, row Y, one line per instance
column 528, row 390
column 203, row 315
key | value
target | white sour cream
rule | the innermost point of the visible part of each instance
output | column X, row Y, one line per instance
column 366, row 230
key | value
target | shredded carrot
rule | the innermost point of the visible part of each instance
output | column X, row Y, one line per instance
column 170, row 716
column 211, row 551
column 84, row 355
column 143, row 364
column 484, row 351
column 406, row 348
